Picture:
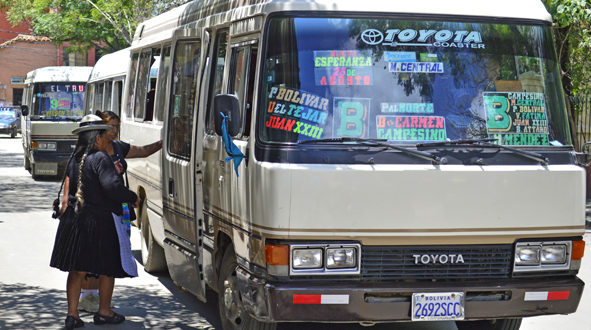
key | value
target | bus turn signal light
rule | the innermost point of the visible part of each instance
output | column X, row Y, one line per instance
column 277, row 255
column 578, row 250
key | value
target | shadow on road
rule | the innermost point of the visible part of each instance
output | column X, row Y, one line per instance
column 22, row 194
column 12, row 159
column 25, row 307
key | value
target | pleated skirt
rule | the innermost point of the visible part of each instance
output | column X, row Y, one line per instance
column 87, row 242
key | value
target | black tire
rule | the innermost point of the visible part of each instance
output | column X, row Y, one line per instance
column 152, row 254
column 498, row 324
column 232, row 314
column 27, row 164
column 32, row 171
column 13, row 133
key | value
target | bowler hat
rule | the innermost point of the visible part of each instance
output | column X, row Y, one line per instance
column 91, row 123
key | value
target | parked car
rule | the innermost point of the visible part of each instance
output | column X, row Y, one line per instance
column 10, row 121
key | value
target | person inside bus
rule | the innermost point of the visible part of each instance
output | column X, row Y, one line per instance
column 118, row 150
column 86, row 240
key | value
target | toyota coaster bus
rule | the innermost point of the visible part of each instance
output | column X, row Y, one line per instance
column 366, row 162
column 53, row 103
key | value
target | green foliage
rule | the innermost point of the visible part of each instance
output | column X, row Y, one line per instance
column 573, row 39
column 106, row 24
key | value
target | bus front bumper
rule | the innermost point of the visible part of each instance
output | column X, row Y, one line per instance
column 357, row 301
column 50, row 163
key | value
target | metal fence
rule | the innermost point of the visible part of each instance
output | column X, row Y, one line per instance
column 582, row 117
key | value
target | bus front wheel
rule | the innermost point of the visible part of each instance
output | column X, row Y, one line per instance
column 27, row 164
column 153, row 256
column 232, row 313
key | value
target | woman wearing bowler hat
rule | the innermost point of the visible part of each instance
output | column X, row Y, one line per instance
column 86, row 238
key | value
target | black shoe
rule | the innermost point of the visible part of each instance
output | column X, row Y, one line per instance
column 72, row 322
column 115, row 319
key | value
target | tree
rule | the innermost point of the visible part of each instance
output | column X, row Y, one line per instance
column 573, row 40
column 106, row 24
column 572, row 31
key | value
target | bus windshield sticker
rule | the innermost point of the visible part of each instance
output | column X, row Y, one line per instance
column 411, row 128
column 428, row 57
column 295, row 96
column 343, row 68
column 296, row 111
column 350, row 117
column 416, row 67
column 423, row 38
column 517, row 118
column 60, row 100
column 406, row 107
column 400, row 57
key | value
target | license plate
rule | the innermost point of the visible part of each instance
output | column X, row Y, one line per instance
column 437, row 306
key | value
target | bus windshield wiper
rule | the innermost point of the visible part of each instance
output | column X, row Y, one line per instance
column 486, row 142
column 380, row 143
column 340, row 140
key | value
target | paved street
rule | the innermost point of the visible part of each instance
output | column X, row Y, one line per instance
column 32, row 295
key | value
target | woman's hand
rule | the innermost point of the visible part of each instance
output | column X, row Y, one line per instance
column 137, row 202
column 118, row 167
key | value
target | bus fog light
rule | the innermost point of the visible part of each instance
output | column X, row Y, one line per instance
column 307, row 258
column 553, row 254
column 527, row 255
column 340, row 258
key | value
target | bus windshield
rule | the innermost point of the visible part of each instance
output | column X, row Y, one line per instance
column 410, row 82
column 61, row 101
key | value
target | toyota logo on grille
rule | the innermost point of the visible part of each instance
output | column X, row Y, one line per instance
column 372, row 36
column 442, row 259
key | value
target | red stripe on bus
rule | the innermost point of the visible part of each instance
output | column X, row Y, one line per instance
column 307, row 299
column 558, row 295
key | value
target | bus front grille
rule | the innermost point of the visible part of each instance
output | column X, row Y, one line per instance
column 385, row 263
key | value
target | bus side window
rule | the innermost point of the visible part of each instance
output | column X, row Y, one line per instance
column 252, row 64
column 108, row 96
column 161, row 84
column 141, row 89
column 146, row 84
column 117, row 96
column 89, row 98
column 182, row 99
column 131, row 89
column 241, row 79
column 217, row 75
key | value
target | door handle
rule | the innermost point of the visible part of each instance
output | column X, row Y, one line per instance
column 170, row 187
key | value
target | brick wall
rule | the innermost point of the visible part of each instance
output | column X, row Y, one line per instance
column 17, row 59
column 7, row 31
column 20, row 52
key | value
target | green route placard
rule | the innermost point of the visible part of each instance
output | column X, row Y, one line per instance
column 518, row 118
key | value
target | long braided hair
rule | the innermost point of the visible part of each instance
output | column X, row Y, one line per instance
column 84, row 146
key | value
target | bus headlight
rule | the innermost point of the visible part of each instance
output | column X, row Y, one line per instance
column 47, row 146
column 553, row 254
column 326, row 258
column 341, row 257
column 527, row 255
column 547, row 256
column 307, row 258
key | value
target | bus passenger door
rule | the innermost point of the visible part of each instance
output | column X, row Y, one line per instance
column 182, row 222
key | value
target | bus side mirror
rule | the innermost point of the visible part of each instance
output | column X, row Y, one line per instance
column 228, row 105
column 24, row 110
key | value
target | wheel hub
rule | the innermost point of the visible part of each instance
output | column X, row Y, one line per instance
column 231, row 300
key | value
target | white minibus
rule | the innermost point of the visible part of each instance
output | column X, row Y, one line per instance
column 359, row 162
column 53, row 103
column 106, row 82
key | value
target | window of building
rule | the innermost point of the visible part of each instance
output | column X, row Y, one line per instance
column 75, row 58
